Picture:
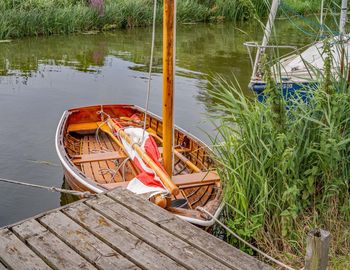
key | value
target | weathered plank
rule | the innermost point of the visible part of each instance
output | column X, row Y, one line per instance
column 17, row 255
column 84, row 243
column 155, row 236
column 50, row 248
column 205, row 242
column 124, row 242
column 116, row 230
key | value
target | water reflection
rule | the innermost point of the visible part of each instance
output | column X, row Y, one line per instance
column 203, row 51
column 200, row 48
column 42, row 77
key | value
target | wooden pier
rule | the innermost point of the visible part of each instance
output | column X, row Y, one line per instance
column 116, row 230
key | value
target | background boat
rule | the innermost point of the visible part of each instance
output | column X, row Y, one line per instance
column 299, row 71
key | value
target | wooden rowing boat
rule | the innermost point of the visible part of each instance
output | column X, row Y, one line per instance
column 109, row 146
column 94, row 160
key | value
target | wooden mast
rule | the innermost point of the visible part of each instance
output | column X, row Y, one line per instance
column 168, row 83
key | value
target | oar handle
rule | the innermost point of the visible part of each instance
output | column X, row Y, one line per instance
column 167, row 182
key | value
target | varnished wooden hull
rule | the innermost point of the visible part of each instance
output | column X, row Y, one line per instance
column 99, row 175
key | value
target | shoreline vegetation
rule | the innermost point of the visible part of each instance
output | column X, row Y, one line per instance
column 285, row 171
column 285, row 164
column 21, row 18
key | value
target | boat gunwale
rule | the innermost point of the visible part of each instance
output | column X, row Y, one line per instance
column 66, row 161
column 86, row 182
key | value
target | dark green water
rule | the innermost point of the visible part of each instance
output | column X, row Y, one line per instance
column 42, row 77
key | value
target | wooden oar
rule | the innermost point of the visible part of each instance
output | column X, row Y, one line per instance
column 166, row 180
column 177, row 153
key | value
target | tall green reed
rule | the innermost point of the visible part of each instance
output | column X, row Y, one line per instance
column 44, row 17
column 285, row 164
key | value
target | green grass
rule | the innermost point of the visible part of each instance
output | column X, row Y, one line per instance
column 285, row 166
column 50, row 20
column 46, row 17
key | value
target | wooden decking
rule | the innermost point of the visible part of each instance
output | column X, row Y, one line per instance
column 116, row 230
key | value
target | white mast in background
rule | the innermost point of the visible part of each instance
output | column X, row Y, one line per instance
column 343, row 17
column 267, row 35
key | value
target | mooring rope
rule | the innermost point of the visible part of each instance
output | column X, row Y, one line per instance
column 84, row 194
column 150, row 69
column 97, row 137
column 244, row 241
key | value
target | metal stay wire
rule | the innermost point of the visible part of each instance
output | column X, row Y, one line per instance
column 150, row 70
column 151, row 66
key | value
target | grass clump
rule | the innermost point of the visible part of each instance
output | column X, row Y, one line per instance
column 285, row 166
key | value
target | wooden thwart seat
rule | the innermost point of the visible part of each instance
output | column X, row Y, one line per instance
column 196, row 179
column 78, row 159
column 84, row 127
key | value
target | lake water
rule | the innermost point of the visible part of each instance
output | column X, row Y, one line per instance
column 42, row 77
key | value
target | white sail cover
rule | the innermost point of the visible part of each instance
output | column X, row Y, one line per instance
column 310, row 63
column 147, row 181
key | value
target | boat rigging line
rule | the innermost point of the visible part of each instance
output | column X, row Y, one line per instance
column 315, row 27
column 84, row 194
column 321, row 30
column 244, row 241
column 150, row 69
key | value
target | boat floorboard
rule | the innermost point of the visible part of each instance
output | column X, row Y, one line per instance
column 115, row 230
column 101, row 170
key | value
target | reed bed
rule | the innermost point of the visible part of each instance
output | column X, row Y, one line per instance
column 46, row 17
column 285, row 165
